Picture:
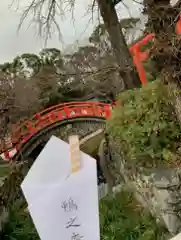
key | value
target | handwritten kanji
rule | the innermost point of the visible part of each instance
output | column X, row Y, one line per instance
column 69, row 205
column 72, row 223
column 76, row 236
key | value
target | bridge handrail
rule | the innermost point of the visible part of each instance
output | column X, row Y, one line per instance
column 69, row 104
column 39, row 115
column 24, row 131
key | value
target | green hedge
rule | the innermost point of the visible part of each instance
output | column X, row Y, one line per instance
column 145, row 126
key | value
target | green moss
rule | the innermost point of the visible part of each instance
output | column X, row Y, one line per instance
column 145, row 126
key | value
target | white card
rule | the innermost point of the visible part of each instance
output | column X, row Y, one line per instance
column 49, row 169
column 70, row 211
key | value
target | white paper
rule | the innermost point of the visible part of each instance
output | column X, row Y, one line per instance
column 50, row 218
column 51, row 193
column 177, row 237
column 50, row 168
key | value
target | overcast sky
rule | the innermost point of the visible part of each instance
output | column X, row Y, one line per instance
column 13, row 43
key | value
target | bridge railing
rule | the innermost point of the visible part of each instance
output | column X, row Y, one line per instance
column 23, row 132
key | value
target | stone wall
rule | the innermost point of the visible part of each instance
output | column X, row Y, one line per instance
column 158, row 190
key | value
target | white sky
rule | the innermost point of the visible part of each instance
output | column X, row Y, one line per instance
column 13, row 43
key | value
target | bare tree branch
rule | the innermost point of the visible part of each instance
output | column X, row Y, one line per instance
column 44, row 14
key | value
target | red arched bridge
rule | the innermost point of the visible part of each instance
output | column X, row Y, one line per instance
column 28, row 135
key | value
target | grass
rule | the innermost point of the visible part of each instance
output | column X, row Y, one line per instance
column 123, row 218
column 4, row 170
column 120, row 218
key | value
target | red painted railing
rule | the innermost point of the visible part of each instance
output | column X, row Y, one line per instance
column 25, row 131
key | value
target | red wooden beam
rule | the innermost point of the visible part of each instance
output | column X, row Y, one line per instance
column 140, row 56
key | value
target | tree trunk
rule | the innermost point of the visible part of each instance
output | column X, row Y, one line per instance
column 124, row 59
column 162, row 19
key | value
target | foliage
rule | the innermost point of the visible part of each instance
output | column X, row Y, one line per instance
column 123, row 218
column 99, row 32
column 26, row 65
column 53, row 77
column 18, row 100
column 51, row 56
column 20, row 226
column 145, row 126
column 151, row 72
column 164, row 17
column 59, row 77
column 4, row 170
column 120, row 218
column 86, row 73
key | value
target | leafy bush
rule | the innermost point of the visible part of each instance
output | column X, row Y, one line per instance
column 150, row 69
column 145, row 126
column 19, row 226
column 123, row 218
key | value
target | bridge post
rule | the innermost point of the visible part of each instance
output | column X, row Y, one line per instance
column 67, row 111
column 107, row 110
column 29, row 126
